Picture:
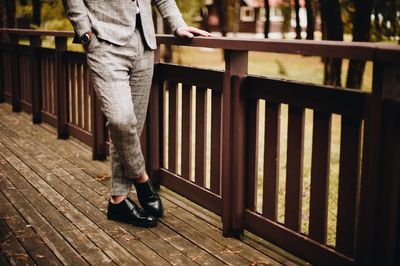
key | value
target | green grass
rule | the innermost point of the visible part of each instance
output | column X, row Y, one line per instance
column 292, row 67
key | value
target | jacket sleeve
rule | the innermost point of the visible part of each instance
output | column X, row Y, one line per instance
column 170, row 12
column 77, row 14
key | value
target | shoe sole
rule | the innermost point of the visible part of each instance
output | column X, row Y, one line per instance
column 135, row 223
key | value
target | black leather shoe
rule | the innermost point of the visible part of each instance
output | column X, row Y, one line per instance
column 148, row 199
column 128, row 212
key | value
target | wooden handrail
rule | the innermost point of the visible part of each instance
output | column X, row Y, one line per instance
column 26, row 32
column 379, row 52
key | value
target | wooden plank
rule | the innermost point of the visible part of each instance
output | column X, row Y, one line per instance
column 246, row 253
column 187, row 110
column 216, row 130
column 349, row 172
column 212, row 247
column 3, row 259
column 177, row 241
column 53, row 239
column 294, row 171
column 24, row 232
column 201, row 122
column 271, row 160
column 251, row 190
column 82, row 242
column 320, row 176
column 12, row 249
column 120, row 235
column 93, row 235
column 205, row 78
column 321, row 98
column 81, row 157
column 181, row 242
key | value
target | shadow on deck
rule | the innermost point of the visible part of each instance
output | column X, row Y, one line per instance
column 53, row 200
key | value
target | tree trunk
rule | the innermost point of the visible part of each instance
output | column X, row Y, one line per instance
column 267, row 21
column 333, row 30
column 361, row 33
column 310, row 20
column 297, row 12
column 36, row 7
column 10, row 12
column 222, row 9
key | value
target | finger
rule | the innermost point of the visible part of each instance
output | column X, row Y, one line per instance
column 186, row 34
column 199, row 32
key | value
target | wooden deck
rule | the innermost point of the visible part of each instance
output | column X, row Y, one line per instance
column 53, row 200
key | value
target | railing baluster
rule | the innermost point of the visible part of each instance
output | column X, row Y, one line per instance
column 86, row 102
column 252, row 149
column 15, row 66
column 294, row 171
column 216, row 126
column 72, row 100
column 348, row 184
column 79, row 98
column 200, row 163
column 2, row 74
column 35, row 43
column 271, row 160
column 173, row 127
column 61, row 88
column 320, row 176
column 98, row 127
column 186, row 131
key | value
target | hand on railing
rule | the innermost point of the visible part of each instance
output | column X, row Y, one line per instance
column 190, row 32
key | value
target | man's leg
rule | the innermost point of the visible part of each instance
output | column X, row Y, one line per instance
column 110, row 67
column 141, row 75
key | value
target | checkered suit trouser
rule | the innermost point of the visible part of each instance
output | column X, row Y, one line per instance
column 121, row 77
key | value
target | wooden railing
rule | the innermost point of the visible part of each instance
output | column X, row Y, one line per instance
column 190, row 107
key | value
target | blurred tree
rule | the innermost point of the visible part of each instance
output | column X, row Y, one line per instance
column 8, row 16
column 286, row 11
column 386, row 20
column 36, row 10
column 332, row 28
column 361, row 33
column 267, row 21
column 310, row 19
column 297, row 12
column 222, row 8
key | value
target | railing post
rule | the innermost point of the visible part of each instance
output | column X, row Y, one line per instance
column 154, row 126
column 35, row 43
column 378, row 223
column 61, row 88
column 16, row 89
column 233, row 190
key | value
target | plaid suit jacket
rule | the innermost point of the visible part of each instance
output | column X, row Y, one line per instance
column 115, row 20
